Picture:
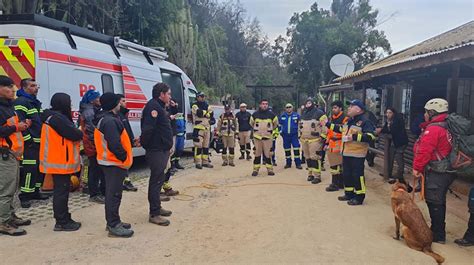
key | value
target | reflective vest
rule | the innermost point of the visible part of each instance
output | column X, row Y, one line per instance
column 58, row 155
column 201, row 123
column 107, row 158
column 14, row 141
column 227, row 125
column 334, row 139
column 354, row 148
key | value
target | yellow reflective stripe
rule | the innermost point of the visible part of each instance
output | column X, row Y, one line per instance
column 348, row 189
column 36, row 140
column 27, row 51
column 362, row 186
column 268, row 165
column 332, row 126
column 27, row 137
column 32, row 111
column 359, row 137
column 22, row 108
column 256, row 166
column 29, row 162
column 371, row 136
column 14, row 62
column 166, row 185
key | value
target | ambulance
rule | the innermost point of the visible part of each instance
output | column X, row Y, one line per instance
column 71, row 59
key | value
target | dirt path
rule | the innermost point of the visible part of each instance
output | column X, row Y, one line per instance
column 243, row 220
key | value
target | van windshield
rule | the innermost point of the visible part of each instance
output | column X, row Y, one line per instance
column 17, row 58
column 174, row 81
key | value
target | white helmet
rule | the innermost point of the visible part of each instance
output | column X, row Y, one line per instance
column 437, row 104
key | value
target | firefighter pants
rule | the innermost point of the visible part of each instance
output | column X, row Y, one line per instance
column 178, row 148
column 263, row 148
column 30, row 177
column 95, row 178
column 311, row 147
column 157, row 160
column 335, row 163
column 290, row 141
column 62, row 185
column 114, row 176
column 244, row 142
column 201, row 140
column 354, row 180
column 9, row 176
column 229, row 144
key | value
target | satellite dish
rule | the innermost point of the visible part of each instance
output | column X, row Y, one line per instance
column 341, row 65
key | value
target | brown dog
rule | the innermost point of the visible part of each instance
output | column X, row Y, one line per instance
column 415, row 231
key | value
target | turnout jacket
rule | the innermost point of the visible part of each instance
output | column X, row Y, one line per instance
column 28, row 107
column 265, row 124
column 226, row 125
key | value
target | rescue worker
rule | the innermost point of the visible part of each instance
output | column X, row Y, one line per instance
column 179, row 131
column 115, row 157
column 28, row 107
column 172, row 109
column 312, row 137
column 289, row 122
column 59, row 155
column 356, row 136
column 226, row 129
column 468, row 239
column 202, row 114
column 135, row 142
column 264, row 123
column 430, row 152
column 11, row 150
column 334, row 145
column 157, row 140
column 89, row 108
column 244, row 131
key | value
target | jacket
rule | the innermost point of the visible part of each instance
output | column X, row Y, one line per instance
column 264, row 123
column 243, row 121
column 156, row 127
column 226, row 125
column 397, row 129
column 334, row 138
column 123, row 116
column 310, row 124
column 28, row 107
column 434, row 141
column 289, row 124
column 202, row 115
column 180, row 126
column 86, row 122
column 10, row 138
column 173, row 111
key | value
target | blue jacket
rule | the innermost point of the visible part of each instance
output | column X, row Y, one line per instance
column 289, row 124
column 181, row 126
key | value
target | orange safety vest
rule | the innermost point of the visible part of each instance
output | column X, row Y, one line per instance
column 107, row 158
column 14, row 141
column 58, row 155
column 334, row 138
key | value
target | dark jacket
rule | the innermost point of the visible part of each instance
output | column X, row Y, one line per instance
column 156, row 127
column 86, row 121
column 397, row 129
column 112, row 127
column 123, row 115
column 243, row 119
column 173, row 111
column 312, row 113
column 62, row 125
column 28, row 107
column 6, row 112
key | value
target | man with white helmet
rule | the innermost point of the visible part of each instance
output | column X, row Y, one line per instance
column 431, row 153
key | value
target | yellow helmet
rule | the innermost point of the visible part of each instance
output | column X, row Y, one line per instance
column 437, row 104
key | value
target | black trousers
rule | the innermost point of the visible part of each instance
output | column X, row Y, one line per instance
column 96, row 179
column 114, row 176
column 157, row 160
column 30, row 177
column 61, row 197
column 354, row 179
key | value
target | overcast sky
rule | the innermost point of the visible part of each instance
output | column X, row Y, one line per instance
column 414, row 20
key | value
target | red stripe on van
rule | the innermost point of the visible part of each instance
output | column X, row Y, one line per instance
column 136, row 106
column 64, row 58
column 9, row 69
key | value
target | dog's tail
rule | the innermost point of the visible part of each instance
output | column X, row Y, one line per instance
column 428, row 251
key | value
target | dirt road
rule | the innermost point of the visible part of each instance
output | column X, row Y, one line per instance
column 243, row 220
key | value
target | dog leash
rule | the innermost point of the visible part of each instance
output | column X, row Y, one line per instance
column 422, row 192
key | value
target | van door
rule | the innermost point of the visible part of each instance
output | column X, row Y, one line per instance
column 17, row 58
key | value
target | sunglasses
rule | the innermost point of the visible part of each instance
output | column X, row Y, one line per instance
column 289, row 107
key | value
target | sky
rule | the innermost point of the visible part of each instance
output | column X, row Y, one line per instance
column 413, row 20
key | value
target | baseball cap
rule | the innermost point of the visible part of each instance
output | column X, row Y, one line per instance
column 6, row 81
column 243, row 105
column 227, row 107
column 356, row 102
column 289, row 105
column 201, row 94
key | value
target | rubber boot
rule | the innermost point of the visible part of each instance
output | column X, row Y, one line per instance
column 438, row 225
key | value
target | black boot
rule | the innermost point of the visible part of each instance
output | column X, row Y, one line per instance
column 468, row 239
column 333, row 186
column 242, row 156
column 177, row 165
column 438, row 225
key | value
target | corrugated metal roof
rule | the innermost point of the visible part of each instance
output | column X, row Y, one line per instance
column 456, row 38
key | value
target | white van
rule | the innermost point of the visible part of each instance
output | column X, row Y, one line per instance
column 71, row 59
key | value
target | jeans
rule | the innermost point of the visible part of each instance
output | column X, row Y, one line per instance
column 157, row 161
column 396, row 155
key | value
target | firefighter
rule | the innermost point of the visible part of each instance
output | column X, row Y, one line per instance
column 244, row 131
column 226, row 129
column 430, row 151
column 264, row 124
column 89, row 108
column 157, row 140
column 289, row 131
column 334, row 144
column 59, row 155
column 202, row 115
column 135, row 142
column 357, row 133
column 312, row 137
column 115, row 157
column 11, row 150
column 28, row 107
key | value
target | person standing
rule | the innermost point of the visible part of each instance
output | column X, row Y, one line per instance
column 89, row 108
column 172, row 109
column 264, row 123
column 135, row 142
column 28, row 107
column 312, row 137
column 178, row 124
column 226, row 129
column 115, row 157
column 11, row 150
column 59, row 155
column 202, row 115
column 395, row 127
column 289, row 122
column 468, row 239
column 157, row 140
column 334, row 145
column 244, row 131
column 431, row 152
column 356, row 136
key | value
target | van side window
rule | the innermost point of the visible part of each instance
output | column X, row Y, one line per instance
column 107, row 83
column 174, row 80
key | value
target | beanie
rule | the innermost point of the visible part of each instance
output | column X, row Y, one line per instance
column 109, row 100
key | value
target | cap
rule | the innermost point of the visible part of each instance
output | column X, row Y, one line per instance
column 201, row 94
column 109, row 100
column 243, row 105
column 289, row 105
column 6, row 81
column 356, row 102
column 226, row 107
